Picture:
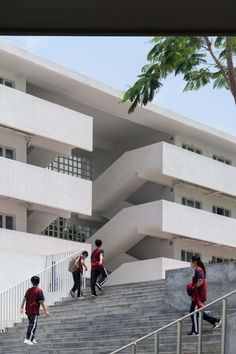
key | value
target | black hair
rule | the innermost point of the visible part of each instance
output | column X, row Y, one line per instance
column 35, row 280
column 98, row 243
column 199, row 263
column 85, row 253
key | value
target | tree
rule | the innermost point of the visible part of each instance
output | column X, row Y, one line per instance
column 200, row 60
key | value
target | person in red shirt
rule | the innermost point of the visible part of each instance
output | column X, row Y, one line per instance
column 33, row 299
column 97, row 268
column 77, row 274
column 198, row 292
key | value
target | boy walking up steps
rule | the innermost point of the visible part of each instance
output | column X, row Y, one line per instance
column 97, row 268
column 32, row 300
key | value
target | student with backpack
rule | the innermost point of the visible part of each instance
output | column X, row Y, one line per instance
column 33, row 298
column 198, row 292
column 97, row 268
column 76, row 267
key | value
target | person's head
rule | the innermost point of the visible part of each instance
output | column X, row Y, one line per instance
column 98, row 243
column 197, row 262
column 85, row 254
column 35, row 280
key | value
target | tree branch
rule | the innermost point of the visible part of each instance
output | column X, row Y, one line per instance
column 218, row 63
column 230, row 67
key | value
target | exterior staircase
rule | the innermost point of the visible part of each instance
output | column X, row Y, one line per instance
column 119, row 315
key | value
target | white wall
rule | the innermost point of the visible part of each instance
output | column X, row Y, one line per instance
column 186, row 166
column 101, row 160
column 20, row 81
column 207, row 150
column 208, row 201
column 12, row 140
column 41, row 157
column 206, row 252
column 152, row 247
column 197, row 224
column 17, row 266
column 16, row 209
column 38, row 221
column 150, row 192
column 50, row 121
column 118, row 261
column 45, row 187
column 37, row 244
column 152, row 269
column 141, row 140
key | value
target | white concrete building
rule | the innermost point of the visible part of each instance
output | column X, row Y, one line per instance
column 163, row 185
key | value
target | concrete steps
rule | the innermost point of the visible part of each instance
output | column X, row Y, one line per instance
column 100, row 325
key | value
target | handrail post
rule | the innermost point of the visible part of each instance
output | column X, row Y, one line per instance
column 223, row 330
column 156, row 343
column 200, row 332
column 135, row 348
column 179, row 337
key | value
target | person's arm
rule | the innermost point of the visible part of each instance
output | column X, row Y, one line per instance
column 22, row 306
column 101, row 258
column 84, row 265
column 199, row 278
column 45, row 309
column 41, row 300
column 199, row 283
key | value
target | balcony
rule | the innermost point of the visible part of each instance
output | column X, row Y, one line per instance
column 44, row 189
column 47, row 123
column 163, row 219
column 198, row 224
column 199, row 170
column 162, row 163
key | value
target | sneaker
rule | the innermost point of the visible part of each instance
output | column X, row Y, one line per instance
column 94, row 295
column 192, row 334
column 99, row 286
column 217, row 324
column 27, row 341
column 72, row 294
column 34, row 341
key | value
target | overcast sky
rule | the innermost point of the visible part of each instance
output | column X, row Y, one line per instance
column 117, row 61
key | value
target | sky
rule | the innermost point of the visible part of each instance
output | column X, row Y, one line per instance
column 117, row 61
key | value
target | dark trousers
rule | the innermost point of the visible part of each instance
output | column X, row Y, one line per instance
column 195, row 317
column 104, row 276
column 32, row 326
column 94, row 275
column 77, row 283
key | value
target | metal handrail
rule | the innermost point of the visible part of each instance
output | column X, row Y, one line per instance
column 55, row 281
column 179, row 323
column 45, row 269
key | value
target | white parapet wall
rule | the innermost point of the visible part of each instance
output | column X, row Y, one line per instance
column 22, row 254
column 44, row 187
column 146, row 270
column 40, row 118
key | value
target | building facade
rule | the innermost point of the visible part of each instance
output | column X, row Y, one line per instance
column 163, row 185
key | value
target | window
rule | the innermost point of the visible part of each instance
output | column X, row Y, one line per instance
column 192, row 148
column 6, row 82
column 191, row 203
column 222, row 159
column 64, row 229
column 216, row 259
column 221, row 211
column 186, row 256
column 73, row 166
column 7, row 152
column 7, row 222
